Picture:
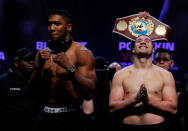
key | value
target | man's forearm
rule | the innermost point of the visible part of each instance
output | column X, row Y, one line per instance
column 121, row 104
column 87, row 84
column 165, row 106
column 35, row 77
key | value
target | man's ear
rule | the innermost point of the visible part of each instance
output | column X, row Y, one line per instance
column 172, row 63
column 69, row 27
column 16, row 63
column 153, row 51
column 133, row 50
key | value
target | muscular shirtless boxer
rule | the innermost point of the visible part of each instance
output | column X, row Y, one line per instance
column 65, row 72
column 143, row 92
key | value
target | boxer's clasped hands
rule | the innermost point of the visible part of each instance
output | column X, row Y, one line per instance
column 44, row 54
column 62, row 60
column 142, row 95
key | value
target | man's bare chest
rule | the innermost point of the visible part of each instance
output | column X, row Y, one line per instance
column 56, row 69
column 152, row 81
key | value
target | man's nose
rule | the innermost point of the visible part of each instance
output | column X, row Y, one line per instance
column 31, row 62
column 51, row 28
column 143, row 42
column 161, row 61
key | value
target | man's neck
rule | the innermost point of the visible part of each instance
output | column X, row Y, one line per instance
column 60, row 45
column 143, row 62
column 67, row 37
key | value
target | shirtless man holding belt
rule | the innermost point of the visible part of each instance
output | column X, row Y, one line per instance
column 143, row 94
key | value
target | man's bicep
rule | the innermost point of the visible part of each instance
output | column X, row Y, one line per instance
column 169, row 89
column 87, row 72
column 117, row 91
column 86, row 62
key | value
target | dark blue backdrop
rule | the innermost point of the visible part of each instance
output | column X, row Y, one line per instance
column 22, row 23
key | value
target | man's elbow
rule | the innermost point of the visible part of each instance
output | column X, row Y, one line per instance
column 112, row 107
column 111, row 110
column 92, row 86
column 174, row 110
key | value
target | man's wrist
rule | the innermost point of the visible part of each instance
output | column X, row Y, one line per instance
column 71, row 69
column 88, row 98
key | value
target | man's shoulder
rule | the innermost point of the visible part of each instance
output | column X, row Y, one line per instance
column 162, row 71
column 125, row 71
column 81, row 49
column 79, row 46
column 84, row 56
column 76, row 44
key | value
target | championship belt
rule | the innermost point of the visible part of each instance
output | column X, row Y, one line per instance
column 133, row 26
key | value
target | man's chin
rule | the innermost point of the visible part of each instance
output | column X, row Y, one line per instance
column 54, row 39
